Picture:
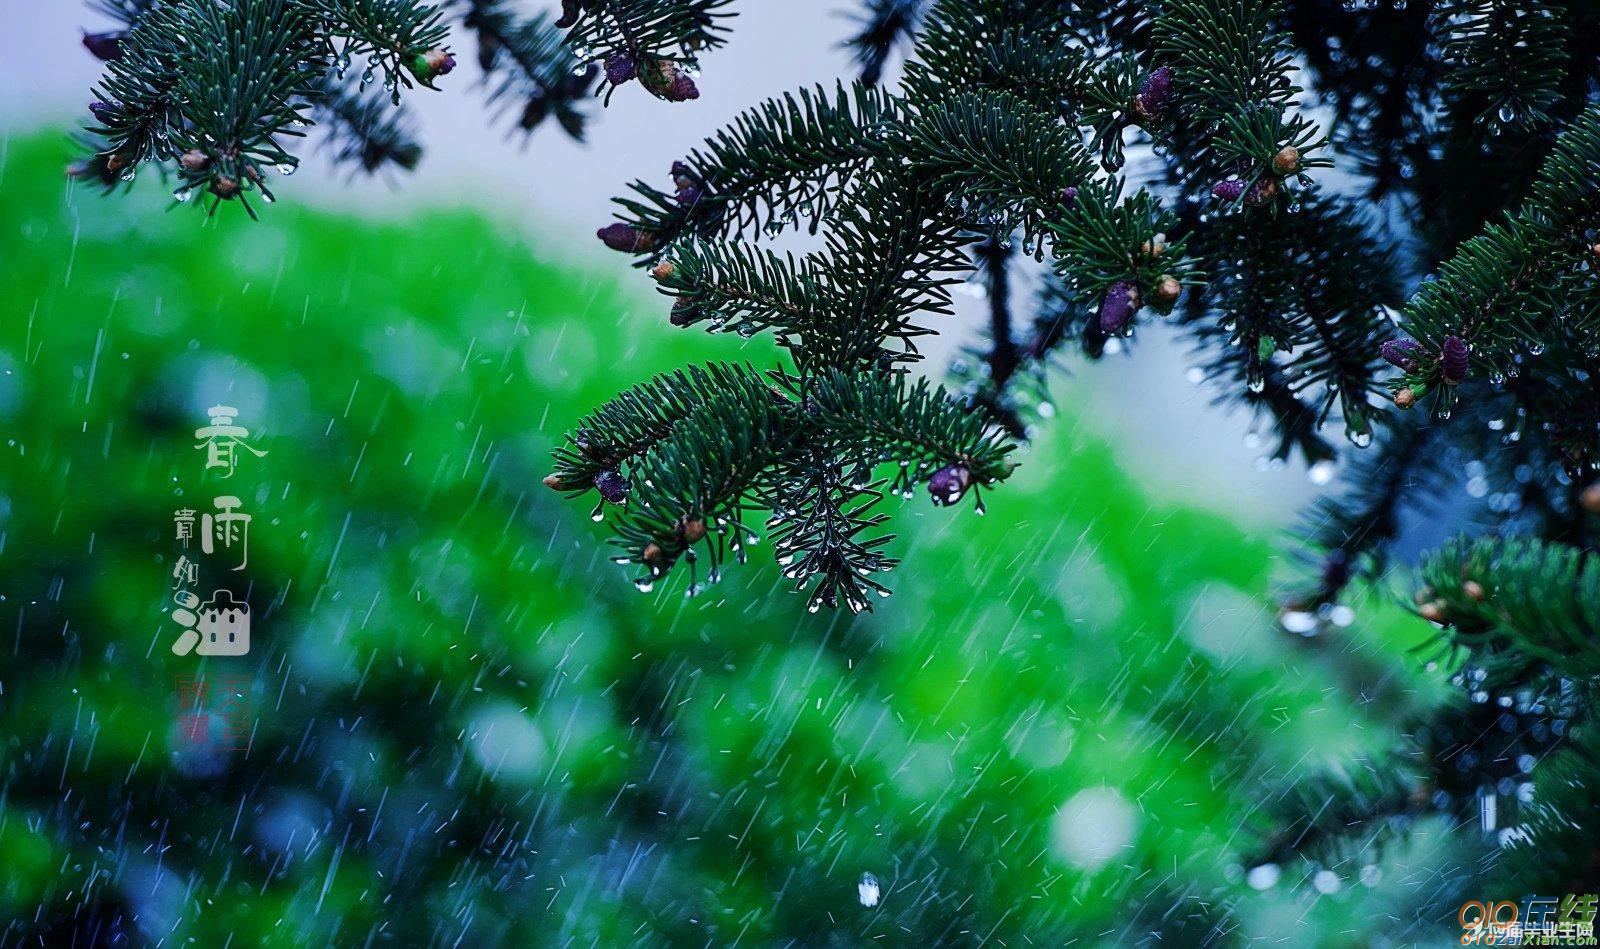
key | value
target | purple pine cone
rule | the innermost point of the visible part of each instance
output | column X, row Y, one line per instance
column 1228, row 190
column 626, row 238
column 667, row 80
column 106, row 46
column 611, row 485
column 620, row 67
column 1117, row 309
column 1155, row 94
column 949, row 483
column 1401, row 354
column 104, row 111
column 681, row 88
column 1066, row 200
column 1453, row 361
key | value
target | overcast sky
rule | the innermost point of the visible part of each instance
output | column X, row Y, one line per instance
column 560, row 192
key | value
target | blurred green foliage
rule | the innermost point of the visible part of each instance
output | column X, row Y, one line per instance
column 471, row 728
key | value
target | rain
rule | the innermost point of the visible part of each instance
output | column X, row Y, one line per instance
column 1079, row 720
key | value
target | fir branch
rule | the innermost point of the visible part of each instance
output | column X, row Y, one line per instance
column 242, row 89
column 893, row 252
column 1504, row 61
column 683, row 458
column 633, row 422
column 1232, row 90
column 366, row 131
column 698, row 479
column 1008, row 165
column 528, row 61
column 1106, row 246
column 747, row 290
column 957, row 39
column 217, row 92
column 882, row 27
column 1491, row 305
column 138, row 108
column 885, row 418
column 785, row 160
column 1522, row 610
column 820, row 509
column 1309, row 303
column 651, row 40
column 1265, row 322
column 402, row 38
column 1338, row 817
column 835, row 308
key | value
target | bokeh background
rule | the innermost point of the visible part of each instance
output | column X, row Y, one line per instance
column 468, row 726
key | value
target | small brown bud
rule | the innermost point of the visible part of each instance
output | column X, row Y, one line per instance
column 1433, row 611
column 1473, row 589
column 663, row 270
column 1153, row 248
column 652, row 553
column 1590, row 498
column 1168, row 289
column 1287, row 161
column 430, row 64
column 1405, row 398
column 115, row 163
column 194, row 160
column 554, row 482
column 225, row 187
column 694, row 529
column 439, row 62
